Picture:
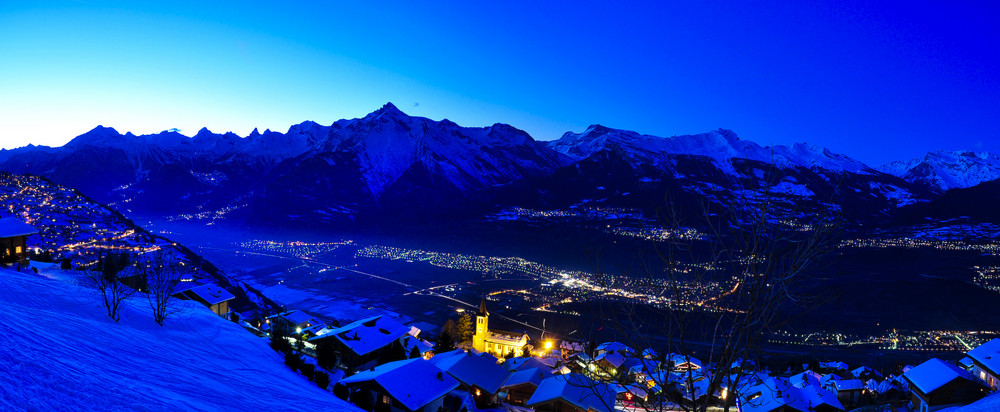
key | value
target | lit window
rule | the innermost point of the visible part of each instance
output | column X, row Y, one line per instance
column 17, row 249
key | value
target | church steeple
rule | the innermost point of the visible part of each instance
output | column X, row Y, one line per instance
column 482, row 308
column 482, row 327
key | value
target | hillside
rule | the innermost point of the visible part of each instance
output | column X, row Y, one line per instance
column 61, row 352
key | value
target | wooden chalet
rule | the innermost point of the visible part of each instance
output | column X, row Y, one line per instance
column 936, row 384
column 213, row 297
column 362, row 343
column 985, row 362
column 14, row 240
column 412, row 385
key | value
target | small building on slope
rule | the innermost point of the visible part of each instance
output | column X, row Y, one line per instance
column 986, row 363
column 14, row 240
column 936, row 384
column 412, row 385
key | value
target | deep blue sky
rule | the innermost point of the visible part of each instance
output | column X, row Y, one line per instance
column 877, row 82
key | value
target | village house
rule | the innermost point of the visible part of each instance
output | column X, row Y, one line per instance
column 14, row 240
column 290, row 323
column 360, row 344
column 572, row 393
column 986, row 363
column 498, row 342
column 479, row 374
column 800, row 393
column 214, row 297
column 522, row 384
column 936, row 384
column 412, row 385
column 848, row 390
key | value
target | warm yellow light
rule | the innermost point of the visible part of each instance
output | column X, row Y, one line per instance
column 548, row 344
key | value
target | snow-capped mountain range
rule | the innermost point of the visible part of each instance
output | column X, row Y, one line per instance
column 720, row 145
column 390, row 163
column 943, row 170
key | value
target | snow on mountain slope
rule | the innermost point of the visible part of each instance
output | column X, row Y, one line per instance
column 943, row 170
column 61, row 352
column 388, row 143
column 720, row 145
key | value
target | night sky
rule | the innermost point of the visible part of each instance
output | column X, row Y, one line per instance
column 877, row 82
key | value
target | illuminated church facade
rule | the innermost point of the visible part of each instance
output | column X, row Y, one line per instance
column 501, row 343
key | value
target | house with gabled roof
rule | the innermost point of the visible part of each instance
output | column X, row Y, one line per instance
column 212, row 296
column 359, row 344
column 291, row 322
column 522, row 384
column 986, row 363
column 14, row 240
column 412, row 385
column 848, row 390
column 480, row 374
column 777, row 394
column 936, row 384
column 572, row 393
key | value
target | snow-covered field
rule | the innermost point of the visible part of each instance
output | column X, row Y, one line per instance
column 59, row 351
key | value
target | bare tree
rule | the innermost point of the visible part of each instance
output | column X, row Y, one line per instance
column 718, row 297
column 161, row 273
column 106, row 275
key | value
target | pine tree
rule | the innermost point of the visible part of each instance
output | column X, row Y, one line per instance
column 445, row 341
column 464, row 328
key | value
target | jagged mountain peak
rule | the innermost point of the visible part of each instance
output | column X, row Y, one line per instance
column 203, row 133
column 942, row 170
column 387, row 111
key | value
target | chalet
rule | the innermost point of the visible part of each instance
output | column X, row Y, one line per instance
column 520, row 364
column 780, row 395
column 848, row 390
column 568, row 348
column 14, row 240
column 865, row 373
column 360, row 344
column 215, row 298
column 291, row 322
column 412, row 385
column 479, row 374
column 616, row 347
column 522, row 384
column 572, row 393
column 936, row 384
column 683, row 363
column 986, row 363
column 608, row 363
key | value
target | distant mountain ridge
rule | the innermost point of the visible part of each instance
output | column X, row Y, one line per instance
column 944, row 170
column 390, row 164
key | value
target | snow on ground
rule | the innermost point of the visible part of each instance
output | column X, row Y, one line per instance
column 60, row 351
column 991, row 403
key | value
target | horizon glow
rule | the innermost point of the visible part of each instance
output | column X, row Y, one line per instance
column 875, row 82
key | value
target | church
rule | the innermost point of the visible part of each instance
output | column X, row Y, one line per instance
column 498, row 342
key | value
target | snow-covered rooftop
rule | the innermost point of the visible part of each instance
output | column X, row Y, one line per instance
column 933, row 374
column 12, row 226
column 367, row 335
column 577, row 390
column 533, row 376
column 413, row 382
column 988, row 355
column 211, row 294
column 481, row 370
